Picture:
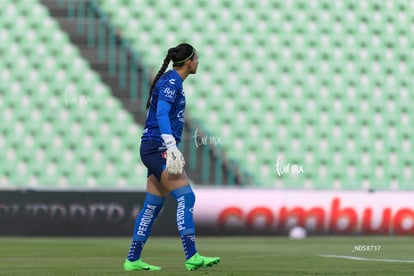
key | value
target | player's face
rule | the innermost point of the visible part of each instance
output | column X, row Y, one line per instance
column 193, row 64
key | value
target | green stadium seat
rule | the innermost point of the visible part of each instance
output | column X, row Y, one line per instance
column 35, row 50
column 283, row 62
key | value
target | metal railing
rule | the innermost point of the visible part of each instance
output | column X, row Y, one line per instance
column 208, row 162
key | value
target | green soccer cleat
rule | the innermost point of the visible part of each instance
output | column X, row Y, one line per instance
column 139, row 265
column 197, row 261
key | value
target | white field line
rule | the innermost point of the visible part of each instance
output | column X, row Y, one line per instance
column 366, row 259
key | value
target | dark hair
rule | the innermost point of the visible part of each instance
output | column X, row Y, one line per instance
column 178, row 55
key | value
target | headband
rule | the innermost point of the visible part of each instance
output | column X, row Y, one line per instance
column 184, row 60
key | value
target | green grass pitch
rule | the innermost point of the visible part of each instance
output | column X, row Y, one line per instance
column 352, row 255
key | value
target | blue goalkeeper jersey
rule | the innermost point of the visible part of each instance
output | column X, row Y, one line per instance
column 168, row 89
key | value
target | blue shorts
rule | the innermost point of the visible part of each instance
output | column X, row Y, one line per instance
column 154, row 156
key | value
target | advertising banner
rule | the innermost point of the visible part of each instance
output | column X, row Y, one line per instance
column 78, row 213
column 217, row 212
column 319, row 212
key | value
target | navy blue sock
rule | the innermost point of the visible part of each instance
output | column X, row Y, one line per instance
column 143, row 225
column 189, row 245
column 135, row 250
column 185, row 221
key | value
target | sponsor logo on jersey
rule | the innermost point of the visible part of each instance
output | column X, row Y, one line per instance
column 169, row 93
column 172, row 81
column 180, row 116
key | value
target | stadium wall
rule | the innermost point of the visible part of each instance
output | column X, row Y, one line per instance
column 217, row 212
column 77, row 213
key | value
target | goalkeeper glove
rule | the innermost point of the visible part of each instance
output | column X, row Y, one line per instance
column 175, row 160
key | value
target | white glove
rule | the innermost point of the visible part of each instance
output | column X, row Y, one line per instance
column 175, row 160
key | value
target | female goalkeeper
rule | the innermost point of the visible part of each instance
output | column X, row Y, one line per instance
column 164, row 161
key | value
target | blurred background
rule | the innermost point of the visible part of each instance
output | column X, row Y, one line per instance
column 290, row 96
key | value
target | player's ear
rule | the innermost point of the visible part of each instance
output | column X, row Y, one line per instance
column 188, row 62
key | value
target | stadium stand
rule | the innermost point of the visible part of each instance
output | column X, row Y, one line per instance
column 61, row 127
column 324, row 86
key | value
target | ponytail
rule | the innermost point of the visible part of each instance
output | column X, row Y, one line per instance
column 164, row 66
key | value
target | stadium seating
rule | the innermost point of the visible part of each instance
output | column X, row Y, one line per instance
column 61, row 127
column 325, row 85
column 318, row 83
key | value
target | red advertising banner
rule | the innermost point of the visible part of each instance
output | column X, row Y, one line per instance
column 319, row 212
